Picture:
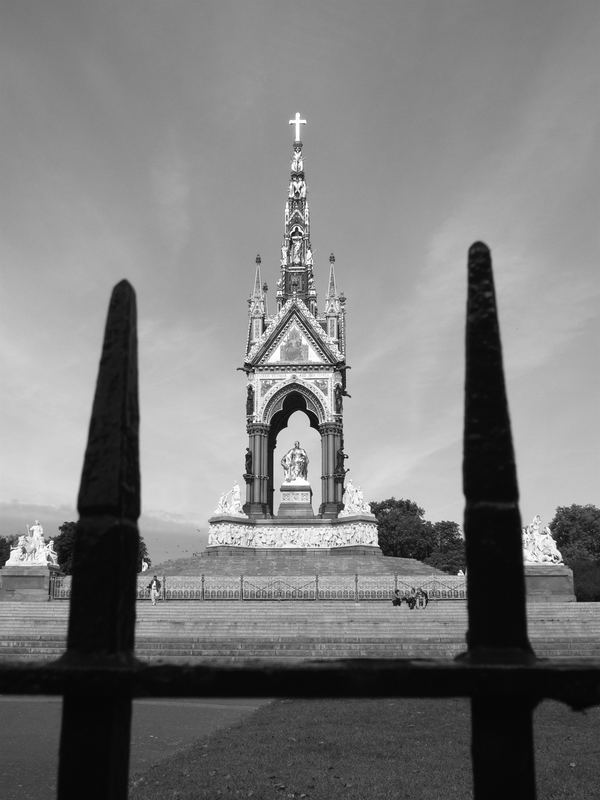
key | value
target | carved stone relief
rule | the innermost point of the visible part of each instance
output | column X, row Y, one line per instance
column 349, row 534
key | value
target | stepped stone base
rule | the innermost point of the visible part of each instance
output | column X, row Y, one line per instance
column 295, row 552
column 351, row 560
column 26, row 583
column 549, row 582
column 232, row 631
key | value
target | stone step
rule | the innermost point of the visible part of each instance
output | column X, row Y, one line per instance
column 263, row 563
column 268, row 650
column 295, row 630
column 214, row 609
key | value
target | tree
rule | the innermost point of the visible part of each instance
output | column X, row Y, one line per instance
column 6, row 542
column 64, row 542
column 449, row 554
column 143, row 555
column 576, row 530
column 402, row 530
column 446, row 534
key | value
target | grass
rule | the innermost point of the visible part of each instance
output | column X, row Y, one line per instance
column 357, row 749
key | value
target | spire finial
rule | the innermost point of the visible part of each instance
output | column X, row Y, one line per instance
column 297, row 122
column 257, row 298
column 332, row 295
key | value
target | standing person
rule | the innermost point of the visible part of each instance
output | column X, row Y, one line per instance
column 154, row 587
column 411, row 600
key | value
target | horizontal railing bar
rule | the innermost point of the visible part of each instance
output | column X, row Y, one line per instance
column 574, row 681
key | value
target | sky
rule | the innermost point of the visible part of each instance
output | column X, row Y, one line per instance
column 149, row 140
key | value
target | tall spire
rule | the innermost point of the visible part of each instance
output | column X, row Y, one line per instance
column 257, row 305
column 296, row 250
column 257, row 298
column 332, row 302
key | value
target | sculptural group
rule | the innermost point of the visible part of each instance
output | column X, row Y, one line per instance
column 230, row 503
column 354, row 502
column 32, row 550
column 539, row 546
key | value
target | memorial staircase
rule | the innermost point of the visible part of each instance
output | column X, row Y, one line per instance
column 234, row 630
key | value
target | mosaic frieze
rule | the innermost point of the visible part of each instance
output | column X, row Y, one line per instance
column 293, row 348
column 322, row 385
column 266, row 386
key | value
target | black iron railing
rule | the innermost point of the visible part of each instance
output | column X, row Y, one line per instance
column 288, row 587
column 99, row 675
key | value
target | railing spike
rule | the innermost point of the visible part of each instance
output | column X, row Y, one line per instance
column 110, row 481
column 495, row 580
column 102, row 614
column 501, row 735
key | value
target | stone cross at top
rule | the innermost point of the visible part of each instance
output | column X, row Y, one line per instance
column 297, row 122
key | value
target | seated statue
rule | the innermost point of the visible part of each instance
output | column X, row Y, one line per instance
column 295, row 465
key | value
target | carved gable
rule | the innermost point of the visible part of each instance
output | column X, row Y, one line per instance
column 294, row 337
column 294, row 346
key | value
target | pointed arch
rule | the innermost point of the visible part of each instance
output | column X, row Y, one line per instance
column 294, row 396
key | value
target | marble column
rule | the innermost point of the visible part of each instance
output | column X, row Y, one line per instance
column 331, row 441
column 257, row 483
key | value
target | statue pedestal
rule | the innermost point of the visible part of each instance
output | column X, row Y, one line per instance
column 549, row 582
column 296, row 501
column 26, row 583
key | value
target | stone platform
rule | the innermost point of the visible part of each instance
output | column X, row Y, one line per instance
column 549, row 582
column 26, row 582
column 293, row 533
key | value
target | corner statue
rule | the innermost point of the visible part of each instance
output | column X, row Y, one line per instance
column 295, row 465
column 539, row 547
column 32, row 550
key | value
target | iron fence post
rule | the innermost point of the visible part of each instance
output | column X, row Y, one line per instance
column 502, row 737
column 96, row 722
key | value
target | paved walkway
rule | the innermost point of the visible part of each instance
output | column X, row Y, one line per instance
column 30, row 730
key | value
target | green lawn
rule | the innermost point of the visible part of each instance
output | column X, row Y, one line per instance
column 357, row 749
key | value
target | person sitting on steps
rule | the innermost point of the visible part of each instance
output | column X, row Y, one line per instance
column 397, row 598
column 412, row 598
column 422, row 598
